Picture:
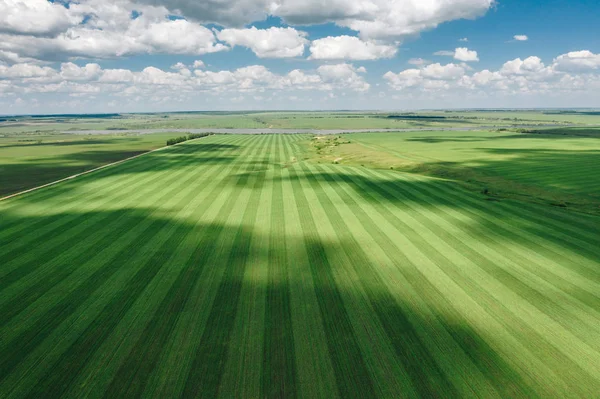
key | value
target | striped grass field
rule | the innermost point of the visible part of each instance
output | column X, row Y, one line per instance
column 562, row 164
column 223, row 267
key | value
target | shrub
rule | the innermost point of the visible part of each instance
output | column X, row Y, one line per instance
column 176, row 140
column 181, row 139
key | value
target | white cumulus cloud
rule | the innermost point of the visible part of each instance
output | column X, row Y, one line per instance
column 521, row 38
column 372, row 18
column 267, row 43
column 465, row 55
column 349, row 48
column 575, row 61
column 35, row 17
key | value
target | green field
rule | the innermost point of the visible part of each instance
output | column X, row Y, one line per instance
column 557, row 167
column 290, row 120
column 28, row 161
column 238, row 266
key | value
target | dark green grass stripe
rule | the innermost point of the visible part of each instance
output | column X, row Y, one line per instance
column 43, row 225
column 58, row 380
column 67, row 366
column 426, row 376
column 353, row 379
column 572, row 226
column 515, row 326
column 212, row 280
column 125, row 167
column 116, row 222
column 133, row 375
column 498, row 217
column 31, row 338
column 27, row 341
column 105, row 229
column 135, row 167
column 65, row 222
column 498, row 372
column 208, row 363
column 578, row 231
column 141, row 165
column 506, row 276
column 492, row 234
column 279, row 371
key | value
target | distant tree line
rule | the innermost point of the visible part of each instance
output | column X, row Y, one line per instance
column 181, row 139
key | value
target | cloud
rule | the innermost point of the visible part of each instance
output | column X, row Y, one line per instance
column 73, row 79
column 521, row 38
column 198, row 64
column 51, row 31
column 179, row 66
column 464, row 39
column 343, row 75
column 465, row 55
column 373, row 19
column 577, row 61
column 418, row 61
column 461, row 54
column 530, row 66
column 35, row 17
column 267, row 43
column 443, row 72
column 432, row 77
column 110, row 32
column 569, row 74
column 25, row 71
column 349, row 48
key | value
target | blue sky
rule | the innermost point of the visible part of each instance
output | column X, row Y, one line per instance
column 153, row 55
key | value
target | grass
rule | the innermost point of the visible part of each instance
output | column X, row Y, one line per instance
column 28, row 161
column 230, row 267
column 555, row 169
column 291, row 120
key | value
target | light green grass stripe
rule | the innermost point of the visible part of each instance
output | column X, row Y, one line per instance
column 387, row 374
column 50, row 372
column 62, row 292
column 467, row 307
column 215, row 198
column 102, row 256
column 352, row 378
column 279, row 372
column 204, row 377
column 394, row 268
column 87, row 227
column 519, row 264
column 91, row 233
column 501, row 220
column 244, row 369
column 88, row 191
column 316, row 377
column 170, row 377
column 127, row 334
column 477, row 212
column 544, row 324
